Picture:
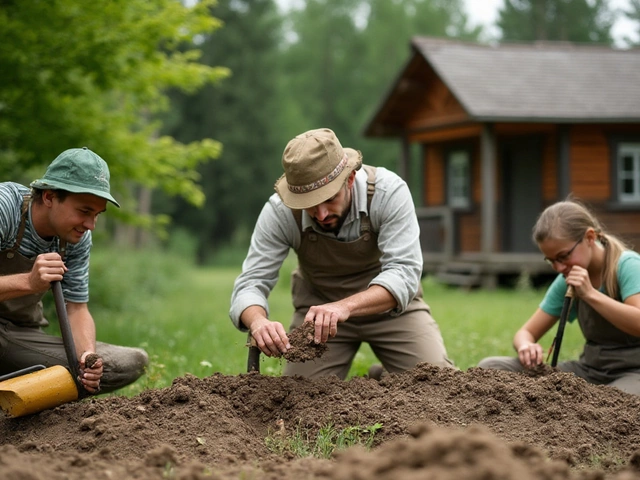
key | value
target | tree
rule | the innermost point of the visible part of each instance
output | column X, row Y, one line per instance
column 329, row 68
column 587, row 21
column 243, row 113
column 96, row 73
column 345, row 55
column 634, row 14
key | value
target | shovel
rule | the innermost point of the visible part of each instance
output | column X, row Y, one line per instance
column 557, row 341
column 23, row 393
column 253, row 359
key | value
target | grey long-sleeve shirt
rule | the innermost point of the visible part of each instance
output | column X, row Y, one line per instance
column 392, row 216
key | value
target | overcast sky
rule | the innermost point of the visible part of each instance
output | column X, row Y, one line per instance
column 484, row 12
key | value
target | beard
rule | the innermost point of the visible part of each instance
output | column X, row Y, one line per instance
column 337, row 222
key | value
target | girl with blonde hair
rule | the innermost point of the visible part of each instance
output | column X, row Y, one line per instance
column 605, row 276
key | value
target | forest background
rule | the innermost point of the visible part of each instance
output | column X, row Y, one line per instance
column 192, row 104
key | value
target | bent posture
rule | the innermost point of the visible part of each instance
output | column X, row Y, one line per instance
column 357, row 240
column 605, row 276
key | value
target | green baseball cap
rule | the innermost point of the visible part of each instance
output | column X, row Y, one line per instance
column 78, row 170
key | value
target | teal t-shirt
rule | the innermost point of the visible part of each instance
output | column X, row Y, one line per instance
column 628, row 282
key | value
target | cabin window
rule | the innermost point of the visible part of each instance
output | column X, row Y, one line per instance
column 458, row 179
column 629, row 172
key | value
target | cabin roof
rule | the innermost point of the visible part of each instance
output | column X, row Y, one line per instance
column 539, row 82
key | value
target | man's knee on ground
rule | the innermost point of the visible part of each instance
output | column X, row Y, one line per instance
column 123, row 366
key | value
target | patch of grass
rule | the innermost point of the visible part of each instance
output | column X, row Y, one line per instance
column 328, row 440
column 609, row 459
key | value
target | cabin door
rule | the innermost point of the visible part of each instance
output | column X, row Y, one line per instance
column 522, row 187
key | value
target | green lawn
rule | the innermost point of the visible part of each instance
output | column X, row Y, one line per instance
column 179, row 314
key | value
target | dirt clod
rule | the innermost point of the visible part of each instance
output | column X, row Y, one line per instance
column 91, row 359
column 303, row 348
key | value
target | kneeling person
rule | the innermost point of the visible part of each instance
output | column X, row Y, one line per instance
column 45, row 236
column 357, row 239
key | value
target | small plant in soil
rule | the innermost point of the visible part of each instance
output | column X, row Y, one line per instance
column 328, row 440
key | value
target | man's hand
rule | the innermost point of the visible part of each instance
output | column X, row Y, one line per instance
column 47, row 268
column 91, row 371
column 325, row 318
column 271, row 337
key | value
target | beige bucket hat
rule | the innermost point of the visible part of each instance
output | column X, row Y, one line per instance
column 315, row 168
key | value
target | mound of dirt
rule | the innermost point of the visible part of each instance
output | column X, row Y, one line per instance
column 436, row 423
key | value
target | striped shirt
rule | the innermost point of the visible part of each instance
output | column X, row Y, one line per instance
column 75, row 283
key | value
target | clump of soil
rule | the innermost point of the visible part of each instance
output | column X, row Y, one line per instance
column 441, row 424
column 303, row 347
column 91, row 359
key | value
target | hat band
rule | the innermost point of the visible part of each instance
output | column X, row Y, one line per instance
column 323, row 181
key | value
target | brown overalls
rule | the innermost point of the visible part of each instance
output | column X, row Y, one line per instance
column 330, row 270
column 24, row 344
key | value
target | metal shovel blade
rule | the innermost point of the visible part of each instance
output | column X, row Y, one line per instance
column 37, row 391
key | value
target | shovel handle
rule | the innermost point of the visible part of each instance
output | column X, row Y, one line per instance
column 253, row 359
column 67, row 335
column 557, row 342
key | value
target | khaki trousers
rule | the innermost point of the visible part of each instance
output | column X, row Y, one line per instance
column 400, row 343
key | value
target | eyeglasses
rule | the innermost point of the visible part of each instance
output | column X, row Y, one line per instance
column 563, row 257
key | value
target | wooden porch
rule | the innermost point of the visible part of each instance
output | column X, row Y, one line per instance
column 469, row 269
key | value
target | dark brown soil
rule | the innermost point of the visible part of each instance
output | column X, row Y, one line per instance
column 436, row 424
column 303, row 347
column 91, row 359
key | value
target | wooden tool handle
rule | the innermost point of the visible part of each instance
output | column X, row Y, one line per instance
column 67, row 335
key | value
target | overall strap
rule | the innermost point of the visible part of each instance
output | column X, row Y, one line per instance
column 23, row 222
column 365, row 221
column 297, row 215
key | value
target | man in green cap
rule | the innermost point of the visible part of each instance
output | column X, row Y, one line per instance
column 357, row 239
column 45, row 236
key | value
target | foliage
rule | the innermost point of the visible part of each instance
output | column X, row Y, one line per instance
column 325, row 65
column 328, row 440
column 346, row 54
column 96, row 73
column 561, row 20
column 633, row 13
column 243, row 113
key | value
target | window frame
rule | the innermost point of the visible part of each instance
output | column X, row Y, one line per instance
column 621, row 175
column 458, row 187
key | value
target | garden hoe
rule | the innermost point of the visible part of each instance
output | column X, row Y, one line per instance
column 37, row 388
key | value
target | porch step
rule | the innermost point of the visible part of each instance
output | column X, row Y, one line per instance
column 460, row 274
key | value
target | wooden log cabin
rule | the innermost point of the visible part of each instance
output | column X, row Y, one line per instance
column 504, row 131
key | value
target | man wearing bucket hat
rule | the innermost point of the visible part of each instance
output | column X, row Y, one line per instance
column 45, row 236
column 357, row 240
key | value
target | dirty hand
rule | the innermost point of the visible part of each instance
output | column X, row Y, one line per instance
column 47, row 268
column 91, row 371
column 578, row 278
column 271, row 337
column 326, row 318
column 530, row 354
